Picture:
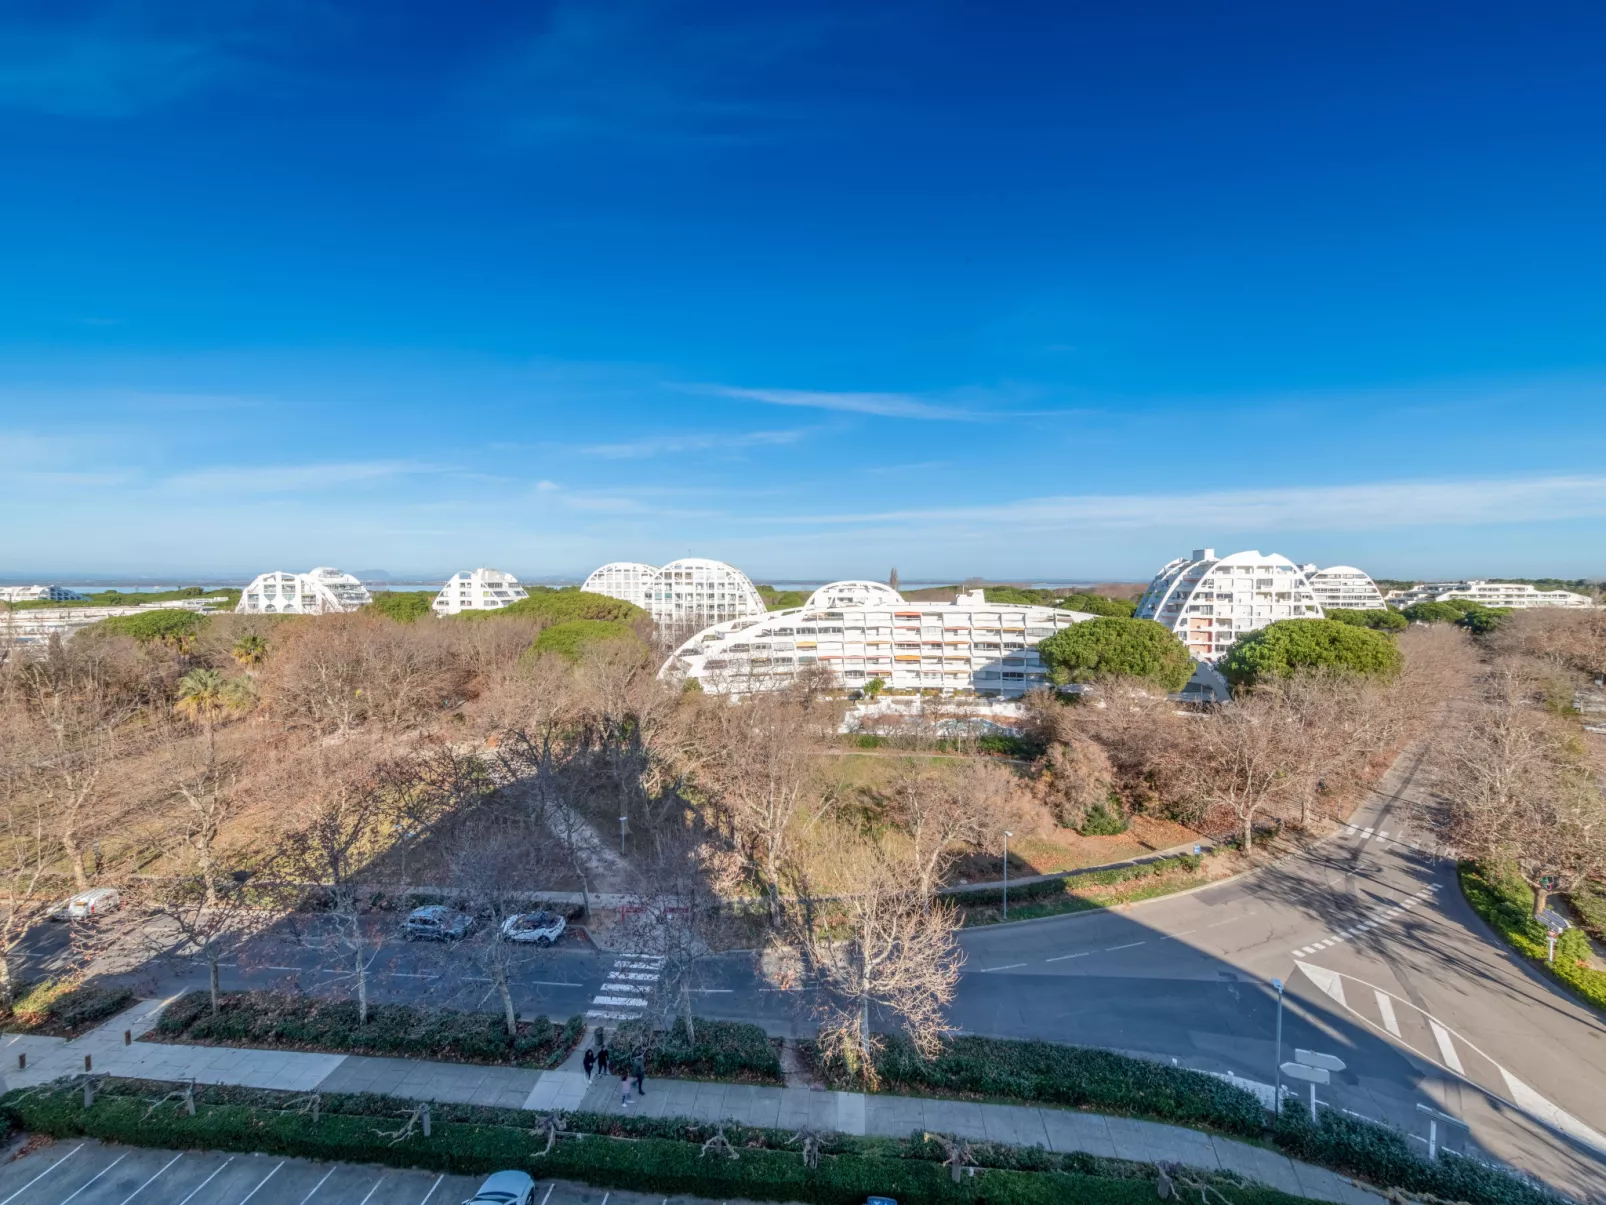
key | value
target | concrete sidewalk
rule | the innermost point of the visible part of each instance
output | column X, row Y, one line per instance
column 1060, row 1130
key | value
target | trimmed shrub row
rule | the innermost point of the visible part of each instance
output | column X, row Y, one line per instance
column 614, row 1157
column 272, row 1019
column 1507, row 904
column 721, row 1050
column 57, row 1010
column 1077, row 1076
column 1384, row 1156
column 1047, row 889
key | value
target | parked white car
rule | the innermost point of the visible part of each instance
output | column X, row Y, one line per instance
column 505, row 1188
column 97, row 901
column 543, row 928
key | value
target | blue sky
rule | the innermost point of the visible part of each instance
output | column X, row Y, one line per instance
column 1044, row 292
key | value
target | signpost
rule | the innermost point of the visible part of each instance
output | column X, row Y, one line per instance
column 1277, row 1058
column 1434, row 1117
column 1555, row 925
column 1314, row 1068
column 1007, row 836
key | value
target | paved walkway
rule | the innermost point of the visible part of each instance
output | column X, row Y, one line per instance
column 1062, row 1130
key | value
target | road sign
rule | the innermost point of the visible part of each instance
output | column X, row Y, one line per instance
column 1314, row 1058
column 1316, row 1075
column 1555, row 921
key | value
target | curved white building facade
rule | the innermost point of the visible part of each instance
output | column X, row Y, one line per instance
column 320, row 591
column 684, row 596
column 1345, row 588
column 478, row 590
column 967, row 645
column 1209, row 601
column 837, row 595
column 1489, row 594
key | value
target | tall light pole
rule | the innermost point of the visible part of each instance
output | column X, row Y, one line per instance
column 1007, row 836
column 1277, row 1061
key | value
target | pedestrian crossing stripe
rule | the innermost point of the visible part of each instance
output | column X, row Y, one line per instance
column 1390, row 911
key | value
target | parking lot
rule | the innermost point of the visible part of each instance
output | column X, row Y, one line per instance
column 91, row 1173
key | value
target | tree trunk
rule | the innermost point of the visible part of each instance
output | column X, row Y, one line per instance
column 212, row 982
column 362, row 987
column 1541, row 898
column 691, row 1026
column 508, row 1014
column 7, row 988
column 75, row 856
column 1249, row 832
column 864, row 1039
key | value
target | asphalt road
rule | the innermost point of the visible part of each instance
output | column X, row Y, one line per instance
column 92, row 1173
column 1385, row 966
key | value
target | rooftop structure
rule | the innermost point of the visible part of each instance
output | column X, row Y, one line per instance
column 39, row 594
column 1209, row 601
column 837, row 595
column 478, row 590
column 1344, row 587
column 966, row 645
column 684, row 596
column 1488, row 594
column 318, row 592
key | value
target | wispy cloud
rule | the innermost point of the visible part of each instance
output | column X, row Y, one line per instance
column 1362, row 507
column 297, row 478
column 661, row 445
column 886, row 405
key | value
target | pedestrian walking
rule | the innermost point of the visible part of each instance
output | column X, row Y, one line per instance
column 624, row 1088
column 638, row 1068
column 602, row 1059
column 589, row 1062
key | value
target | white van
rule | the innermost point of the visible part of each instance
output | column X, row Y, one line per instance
column 97, row 901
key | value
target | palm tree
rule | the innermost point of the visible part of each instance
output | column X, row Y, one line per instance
column 250, row 651
column 200, row 695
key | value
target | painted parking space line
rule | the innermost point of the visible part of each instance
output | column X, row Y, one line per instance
column 261, row 1182
column 202, row 1184
column 372, row 1191
column 318, row 1185
column 42, row 1174
column 152, row 1180
column 432, row 1189
column 75, row 1192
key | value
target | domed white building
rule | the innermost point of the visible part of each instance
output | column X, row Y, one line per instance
column 684, row 596
column 837, row 595
column 478, row 590
column 320, row 591
column 1344, row 587
column 966, row 645
column 1209, row 601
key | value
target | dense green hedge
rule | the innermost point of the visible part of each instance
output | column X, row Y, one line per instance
column 167, row 627
column 723, row 1050
column 269, row 1019
column 1507, row 904
column 1068, row 1075
column 404, row 606
column 560, row 606
column 1069, row 884
column 1384, row 1156
column 59, row 1010
column 616, row 1154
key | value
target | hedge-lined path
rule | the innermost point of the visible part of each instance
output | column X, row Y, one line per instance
column 1061, row 1130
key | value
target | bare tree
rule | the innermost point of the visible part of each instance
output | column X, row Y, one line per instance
column 206, row 786
column 882, row 954
column 1520, row 791
column 29, row 840
column 183, row 925
column 1248, row 758
column 939, row 812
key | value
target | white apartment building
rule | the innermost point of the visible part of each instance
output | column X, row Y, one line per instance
column 478, row 590
column 1344, row 587
column 39, row 594
column 966, row 645
column 1489, row 594
column 684, row 596
column 1209, row 601
column 837, row 595
column 320, row 591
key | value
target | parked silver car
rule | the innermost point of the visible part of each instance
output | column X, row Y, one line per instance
column 436, row 922
column 543, row 928
column 97, row 901
column 505, row 1188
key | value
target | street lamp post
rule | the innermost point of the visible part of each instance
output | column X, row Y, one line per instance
column 1007, row 836
column 1277, row 1062
column 622, row 822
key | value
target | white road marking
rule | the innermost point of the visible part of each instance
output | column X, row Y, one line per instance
column 620, row 1001
column 428, row 1194
column 43, row 1174
column 713, row 991
column 1063, row 957
column 261, row 1182
column 95, row 1177
column 1128, row 946
column 1385, row 1006
column 199, row 1186
column 317, row 1186
column 375, row 1189
column 1174, row 936
column 549, row 1189
column 634, row 976
column 1441, row 1035
column 1530, row 1101
column 1010, row 967
column 147, row 1183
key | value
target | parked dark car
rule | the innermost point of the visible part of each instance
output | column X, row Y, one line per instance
column 436, row 922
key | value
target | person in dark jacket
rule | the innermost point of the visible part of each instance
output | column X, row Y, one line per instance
column 589, row 1062
column 602, row 1059
column 638, row 1068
